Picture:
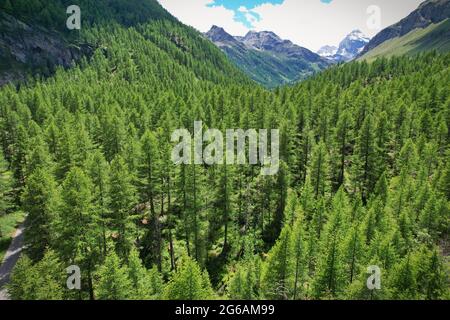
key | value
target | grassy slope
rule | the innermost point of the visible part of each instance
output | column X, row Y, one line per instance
column 8, row 225
column 434, row 37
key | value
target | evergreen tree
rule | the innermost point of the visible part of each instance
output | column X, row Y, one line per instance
column 353, row 252
column 329, row 280
column 18, row 286
column 89, row 152
column 41, row 281
column 402, row 280
column 98, row 171
column 123, row 198
column 114, row 282
column 299, row 254
column 277, row 272
column 188, row 283
column 78, row 226
column 366, row 174
column 319, row 170
column 6, row 185
column 343, row 130
column 147, row 284
column 40, row 201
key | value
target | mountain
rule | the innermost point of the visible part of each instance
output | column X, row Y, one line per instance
column 220, row 37
column 352, row 45
column 25, row 49
column 267, row 41
column 93, row 154
column 349, row 48
column 327, row 51
column 434, row 37
column 426, row 28
column 34, row 39
column 267, row 58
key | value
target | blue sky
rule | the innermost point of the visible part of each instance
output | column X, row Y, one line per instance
column 309, row 23
column 243, row 9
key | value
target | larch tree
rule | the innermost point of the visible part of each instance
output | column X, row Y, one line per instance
column 188, row 283
column 40, row 200
column 123, row 200
column 78, row 229
column 298, row 239
column 329, row 280
column 319, row 171
column 277, row 272
column 365, row 158
column 113, row 280
column 98, row 171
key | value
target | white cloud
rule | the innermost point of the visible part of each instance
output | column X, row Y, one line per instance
column 197, row 14
column 309, row 23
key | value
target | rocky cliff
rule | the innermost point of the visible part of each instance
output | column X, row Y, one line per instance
column 28, row 48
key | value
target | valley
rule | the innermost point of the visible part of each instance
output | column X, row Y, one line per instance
column 87, row 145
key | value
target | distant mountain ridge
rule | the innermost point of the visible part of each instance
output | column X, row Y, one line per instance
column 428, row 13
column 267, row 58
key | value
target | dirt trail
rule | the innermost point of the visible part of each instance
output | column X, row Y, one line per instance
column 10, row 260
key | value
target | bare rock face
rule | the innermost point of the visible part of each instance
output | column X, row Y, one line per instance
column 270, row 42
column 219, row 35
column 25, row 48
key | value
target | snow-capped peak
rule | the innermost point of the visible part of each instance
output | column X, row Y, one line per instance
column 356, row 35
column 348, row 49
column 352, row 45
column 327, row 51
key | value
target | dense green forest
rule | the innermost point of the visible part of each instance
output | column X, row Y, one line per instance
column 364, row 177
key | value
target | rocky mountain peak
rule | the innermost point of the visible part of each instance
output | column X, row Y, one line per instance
column 264, row 40
column 218, row 34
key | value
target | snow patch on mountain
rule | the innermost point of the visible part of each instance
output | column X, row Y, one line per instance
column 327, row 51
column 349, row 48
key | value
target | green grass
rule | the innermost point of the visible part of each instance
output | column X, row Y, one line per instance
column 434, row 37
column 8, row 226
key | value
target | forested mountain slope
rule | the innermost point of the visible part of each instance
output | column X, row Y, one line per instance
column 268, row 59
column 35, row 39
column 364, row 177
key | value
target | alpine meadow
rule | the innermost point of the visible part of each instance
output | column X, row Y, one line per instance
column 87, row 122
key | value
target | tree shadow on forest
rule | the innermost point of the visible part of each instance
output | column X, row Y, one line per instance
column 217, row 266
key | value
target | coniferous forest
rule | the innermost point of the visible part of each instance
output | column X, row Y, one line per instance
column 364, row 177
